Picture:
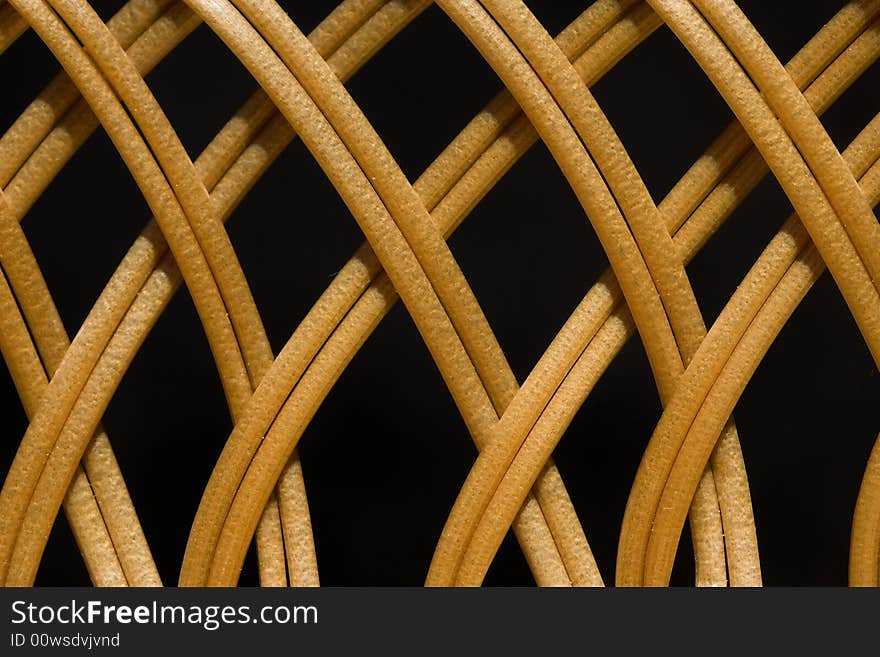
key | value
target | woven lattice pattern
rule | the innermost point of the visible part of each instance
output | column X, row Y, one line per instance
column 692, row 469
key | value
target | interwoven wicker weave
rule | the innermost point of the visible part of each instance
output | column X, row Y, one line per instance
column 692, row 468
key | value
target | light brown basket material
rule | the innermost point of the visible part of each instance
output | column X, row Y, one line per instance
column 693, row 463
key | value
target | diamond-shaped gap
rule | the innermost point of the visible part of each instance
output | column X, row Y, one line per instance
column 787, row 29
column 292, row 234
column 664, row 109
column 856, row 108
column 71, row 255
column 530, row 255
column 720, row 266
column 60, row 564
column 14, row 418
column 199, row 86
column 807, row 422
column 723, row 262
column 600, row 452
column 83, row 224
column 23, row 83
column 509, row 567
column 785, row 25
column 106, row 8
column 308, row 15
column 597, row 459
column 383, row 460
column 168, row 422
column 556, row 16
column 416, row 101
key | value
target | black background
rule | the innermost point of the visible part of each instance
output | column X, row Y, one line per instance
column 387, row 453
